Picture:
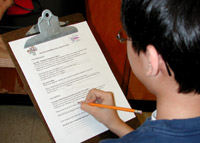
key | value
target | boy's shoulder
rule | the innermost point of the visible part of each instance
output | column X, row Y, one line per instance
column 164, row 131
column 177, row 130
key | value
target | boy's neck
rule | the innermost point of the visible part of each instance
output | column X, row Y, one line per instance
column 178, row 106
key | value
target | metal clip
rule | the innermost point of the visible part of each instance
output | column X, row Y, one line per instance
column 49, row 28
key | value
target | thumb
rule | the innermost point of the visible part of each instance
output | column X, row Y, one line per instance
column 84, row 106
column 87, row 108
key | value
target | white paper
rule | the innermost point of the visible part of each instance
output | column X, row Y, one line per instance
column 60, row 73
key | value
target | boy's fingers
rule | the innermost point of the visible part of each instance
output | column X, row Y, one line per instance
column 87, row 108
column 93, row 95
column 99, row 93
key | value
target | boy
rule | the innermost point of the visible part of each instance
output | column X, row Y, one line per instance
column 164, row 53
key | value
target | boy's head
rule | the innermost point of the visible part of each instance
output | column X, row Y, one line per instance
column 173, row 28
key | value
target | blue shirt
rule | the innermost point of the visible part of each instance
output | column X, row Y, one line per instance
column 163, row 131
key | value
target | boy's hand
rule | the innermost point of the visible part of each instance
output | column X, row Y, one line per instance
column 103, row 115
column 108, row 117
column 4, row 5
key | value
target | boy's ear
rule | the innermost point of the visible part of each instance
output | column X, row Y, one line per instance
column 153, row 61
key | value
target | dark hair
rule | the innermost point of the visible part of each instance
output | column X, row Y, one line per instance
column 173, row 27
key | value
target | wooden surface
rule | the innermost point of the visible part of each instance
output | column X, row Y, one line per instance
column 5, row 60
column 103, row 17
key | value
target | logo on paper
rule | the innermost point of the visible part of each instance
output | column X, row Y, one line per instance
column 32, row 50
column 75, row 38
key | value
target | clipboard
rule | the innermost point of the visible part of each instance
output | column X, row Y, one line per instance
column 53, row 25
column 47, row 28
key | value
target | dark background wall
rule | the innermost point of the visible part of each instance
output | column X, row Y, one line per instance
column 58, row 7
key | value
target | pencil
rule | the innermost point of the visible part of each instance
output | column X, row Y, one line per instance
column 115, row 108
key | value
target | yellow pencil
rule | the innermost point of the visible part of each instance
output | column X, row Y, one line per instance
column 115, row 108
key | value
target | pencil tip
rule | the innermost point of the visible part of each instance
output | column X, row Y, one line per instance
column 80, row 102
